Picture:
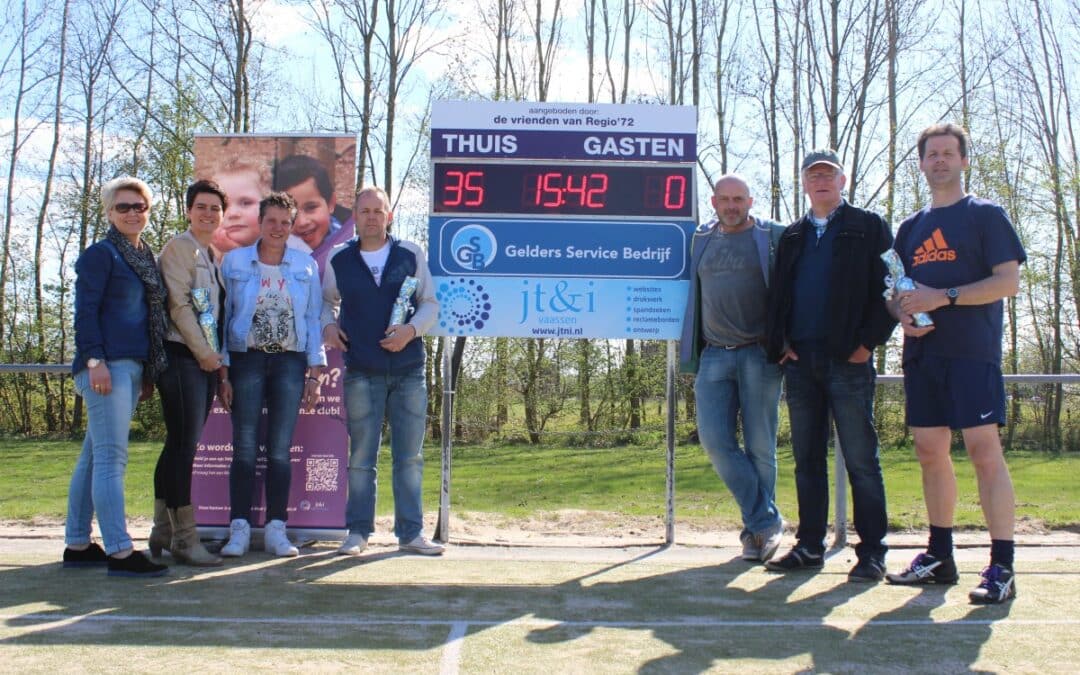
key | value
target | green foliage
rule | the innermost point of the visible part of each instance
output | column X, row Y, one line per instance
column 520, row 480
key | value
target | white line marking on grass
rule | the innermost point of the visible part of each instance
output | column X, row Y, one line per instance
column 530, row 622
column 451, row 658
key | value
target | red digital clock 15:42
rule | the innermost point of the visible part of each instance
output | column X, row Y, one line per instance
column 564, row 189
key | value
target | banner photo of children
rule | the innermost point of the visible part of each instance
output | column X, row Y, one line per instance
column 318, row 171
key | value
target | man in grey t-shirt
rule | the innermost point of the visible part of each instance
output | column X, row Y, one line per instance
column 731, row 259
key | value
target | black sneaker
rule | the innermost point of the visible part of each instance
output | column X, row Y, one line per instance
column 867, row 570
column 926, row 569
column 135, row 565
column 91, row 556
column 797, row 558
column 997, row 586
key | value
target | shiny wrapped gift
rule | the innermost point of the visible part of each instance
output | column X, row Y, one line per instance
column 402, row 309
column 897, row 280
column 200, row 299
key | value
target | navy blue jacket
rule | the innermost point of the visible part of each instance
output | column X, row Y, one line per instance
column 362, row 308
column 110, row 308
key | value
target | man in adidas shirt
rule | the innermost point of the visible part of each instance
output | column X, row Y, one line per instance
column 965, row 257
column 384, row 367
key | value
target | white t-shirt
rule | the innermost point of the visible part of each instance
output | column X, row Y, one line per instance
column 376, row 261
column 274, row 322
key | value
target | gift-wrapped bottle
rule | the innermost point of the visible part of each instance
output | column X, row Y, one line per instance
column 200, row 299
column 402, row 309
column 897, row 280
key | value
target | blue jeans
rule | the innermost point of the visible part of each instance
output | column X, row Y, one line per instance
column 187, row 392
column 817, row 385
column 97, row 483
column 367, row 399
column 279, row 380
column 730, row 381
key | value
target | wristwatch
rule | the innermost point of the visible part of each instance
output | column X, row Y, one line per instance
column 93, row 363
column 952, row 294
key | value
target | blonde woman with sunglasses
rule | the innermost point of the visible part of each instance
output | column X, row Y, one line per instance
column 120, row 325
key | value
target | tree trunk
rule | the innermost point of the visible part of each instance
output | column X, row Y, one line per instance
column 39, row 226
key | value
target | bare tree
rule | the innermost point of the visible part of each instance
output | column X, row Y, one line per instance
column 1041, row 57
column 26, row 56
column 409, row 36
column 769, row 44
column 547, row 32
column 43, row 212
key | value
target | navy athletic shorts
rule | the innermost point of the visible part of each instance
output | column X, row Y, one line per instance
column 954, row 393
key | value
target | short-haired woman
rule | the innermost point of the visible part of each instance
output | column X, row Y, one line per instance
column 188, row 385
column 120, row 325
column 275, row 354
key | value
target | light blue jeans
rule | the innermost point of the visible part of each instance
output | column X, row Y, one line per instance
column 730, row 381
column 97, row 484
column 367, row 399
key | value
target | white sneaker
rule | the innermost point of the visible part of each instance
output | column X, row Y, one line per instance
column 354, row 544
column 276, row 542
column 422, row 546
column 239, row 539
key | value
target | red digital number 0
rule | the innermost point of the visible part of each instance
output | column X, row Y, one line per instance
column 674, row 192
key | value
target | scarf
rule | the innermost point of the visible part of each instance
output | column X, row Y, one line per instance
column 141, row 261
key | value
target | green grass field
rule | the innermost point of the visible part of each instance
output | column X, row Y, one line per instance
column 501, row 610
column 515, row 481
column 642, row 608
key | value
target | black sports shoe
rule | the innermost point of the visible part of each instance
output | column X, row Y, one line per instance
column 797, row 558
column 997, row 586
column 135, row 565
column 91, row 556
column 867, row 570
column 926, row 569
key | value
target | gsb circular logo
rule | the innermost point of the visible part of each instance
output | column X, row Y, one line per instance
column 473, row 247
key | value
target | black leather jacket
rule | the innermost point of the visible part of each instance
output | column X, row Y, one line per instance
column 857, row 313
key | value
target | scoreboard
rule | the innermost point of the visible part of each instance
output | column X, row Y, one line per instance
column 561, row 220
column 563, row 188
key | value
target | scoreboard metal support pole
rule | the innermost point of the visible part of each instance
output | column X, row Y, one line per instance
column 442, row 529
column 669, row 520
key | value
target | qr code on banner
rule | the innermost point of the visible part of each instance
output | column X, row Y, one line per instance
column 322, row 474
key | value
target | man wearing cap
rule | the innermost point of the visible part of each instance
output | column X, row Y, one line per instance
column 722, row 342
column 826, row 315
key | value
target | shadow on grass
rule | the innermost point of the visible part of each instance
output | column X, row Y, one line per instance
column 386, row 601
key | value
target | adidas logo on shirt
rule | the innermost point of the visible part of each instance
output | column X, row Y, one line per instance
column 934, row 249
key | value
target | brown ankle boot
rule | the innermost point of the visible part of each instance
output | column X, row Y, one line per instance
column 186, row 547
column 161, row 535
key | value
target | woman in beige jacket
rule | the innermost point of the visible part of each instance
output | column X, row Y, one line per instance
column 188, row 386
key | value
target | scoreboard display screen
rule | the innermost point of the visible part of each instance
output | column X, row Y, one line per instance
column 565, row 188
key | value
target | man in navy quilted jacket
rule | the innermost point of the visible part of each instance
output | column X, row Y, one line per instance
column 384, row 366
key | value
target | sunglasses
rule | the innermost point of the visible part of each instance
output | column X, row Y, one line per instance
column 124, row 207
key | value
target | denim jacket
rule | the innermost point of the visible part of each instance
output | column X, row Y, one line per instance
column 240, row 270
column 110, row 308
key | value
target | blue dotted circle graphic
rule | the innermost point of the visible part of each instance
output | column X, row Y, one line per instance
column 465, row 306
